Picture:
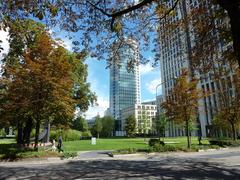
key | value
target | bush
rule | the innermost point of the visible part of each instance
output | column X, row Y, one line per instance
column 86, row 134
column 2, row 133
column 166, row 148
column 223, row 143
column 153, row 142
column 126, row 151
column 67, row 155
column 67, row 135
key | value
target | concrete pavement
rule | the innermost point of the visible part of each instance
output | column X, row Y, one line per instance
column 224, row 164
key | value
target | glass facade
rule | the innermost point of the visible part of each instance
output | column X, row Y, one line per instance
column 124, row 84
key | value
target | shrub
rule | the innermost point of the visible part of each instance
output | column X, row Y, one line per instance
column 67, row 155
column 2, row 133
column 153, row 142
column 126, row 151
column 166, row 148
column 86, row 134
column 223, row 143
column 67, row 135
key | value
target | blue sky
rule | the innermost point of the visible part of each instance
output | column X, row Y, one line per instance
column 98, row 77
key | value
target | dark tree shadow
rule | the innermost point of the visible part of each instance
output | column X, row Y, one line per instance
column 166, row 168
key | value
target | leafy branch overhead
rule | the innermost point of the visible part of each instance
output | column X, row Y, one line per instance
column 100, row 23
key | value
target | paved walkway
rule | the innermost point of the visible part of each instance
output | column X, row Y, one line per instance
column 223, row 164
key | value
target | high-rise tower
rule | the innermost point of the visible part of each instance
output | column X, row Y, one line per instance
column 124, row 83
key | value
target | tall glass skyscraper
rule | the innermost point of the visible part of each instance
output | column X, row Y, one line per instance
column 124, row 83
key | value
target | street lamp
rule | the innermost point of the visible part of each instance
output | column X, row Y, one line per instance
column 173, row 78
column 158, row 104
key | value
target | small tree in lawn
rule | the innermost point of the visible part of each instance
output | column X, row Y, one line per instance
column 98, row 126
column 80, row 124
column 130, row 126
column 160, row 125
column 107, row 126
column 228, row 115
column 181, row 104
column 144, row 124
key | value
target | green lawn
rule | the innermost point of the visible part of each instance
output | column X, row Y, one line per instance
column 8, row 147
column 7, row 141
column 105, row 144
column 10, row 151
column 123, row 143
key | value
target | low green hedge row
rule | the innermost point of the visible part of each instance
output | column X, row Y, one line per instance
column 68, row 135
column 223, row 143
column 153, row 142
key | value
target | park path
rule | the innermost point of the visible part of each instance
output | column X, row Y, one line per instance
column 221, row 164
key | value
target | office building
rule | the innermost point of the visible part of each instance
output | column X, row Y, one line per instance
column 124, row 82
column 144, row 114
column 175, row 49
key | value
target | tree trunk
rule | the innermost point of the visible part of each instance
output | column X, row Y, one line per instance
column 98, row 135
column 27, row 131
column 187, row 134
column 233, row 132
column 233, row 9
column 20, row 133
column 37, row 135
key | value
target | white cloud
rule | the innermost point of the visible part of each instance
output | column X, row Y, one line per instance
column 65, row 42
column 146, row 68
column 151, row 86
column 4, row 44
column 103, row 104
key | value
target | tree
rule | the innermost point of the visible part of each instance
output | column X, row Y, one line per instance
column 160, row 125
column 52, row 81
column 97, row 127
column 109, row 20
column 107, row 126
column 130, row 126
column 80, row 124
column 181, row 104
column 228, row 112
column 144, row 122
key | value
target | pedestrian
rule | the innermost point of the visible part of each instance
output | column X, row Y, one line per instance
column 59, row 146
column 54, row 145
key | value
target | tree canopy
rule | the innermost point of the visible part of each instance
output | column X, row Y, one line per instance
column 41, row 80
column 100, row 23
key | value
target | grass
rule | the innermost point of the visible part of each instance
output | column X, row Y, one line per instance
column 9, row 150
column 105, row 144
column 128, row 143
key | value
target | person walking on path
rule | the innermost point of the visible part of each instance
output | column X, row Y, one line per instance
column 59, row 146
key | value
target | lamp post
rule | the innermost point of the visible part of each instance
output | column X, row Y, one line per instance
column 158, row 105
column 173, row 78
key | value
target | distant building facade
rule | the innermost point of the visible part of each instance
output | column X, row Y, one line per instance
column 145, row 116
column 124, row 83
column 175, row 46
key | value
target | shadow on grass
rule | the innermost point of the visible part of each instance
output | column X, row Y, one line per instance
column 168, row 168
column 11, row 152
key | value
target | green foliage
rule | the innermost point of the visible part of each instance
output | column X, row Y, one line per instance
column 86, row 134
column 97, row 127
column 80, row 124
column 130, row 126
column 67, row 135
column 107, row 126
column 126, row 151
column 161, row 124
column 153, row 142
column 67, row 155
column 223, row 143
column 166, row 148
column 144, row 123
column 53, row 81
column 2, row 133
